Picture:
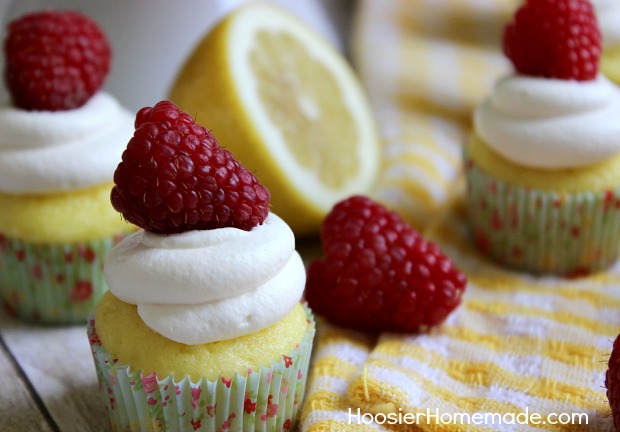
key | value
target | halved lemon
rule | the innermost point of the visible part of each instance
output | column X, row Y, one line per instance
column 288, row 106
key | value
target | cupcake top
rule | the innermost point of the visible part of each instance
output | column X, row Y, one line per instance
column 54, row 151
column 551, row 123
column 212, row 262
column 60, row 132
column 202, row 286
column 556, row 111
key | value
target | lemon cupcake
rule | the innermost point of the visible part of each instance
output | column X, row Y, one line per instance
column 60, row 140
column 543, row 162
column 608, row 12
column 202, row 328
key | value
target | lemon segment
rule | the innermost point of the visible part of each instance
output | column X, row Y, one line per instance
column 290, row 108
column 610, row 63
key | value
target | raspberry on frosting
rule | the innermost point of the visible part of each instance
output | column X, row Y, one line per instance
column 554, row 39
column 378, row 274
column 612, row 382
column 175, row 177
column 55, row 60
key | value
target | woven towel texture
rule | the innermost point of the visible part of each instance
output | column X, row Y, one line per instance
column 518, row 344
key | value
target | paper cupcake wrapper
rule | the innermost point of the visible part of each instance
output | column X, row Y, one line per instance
column 267, row 398
column 570, row 234
column 52, row 283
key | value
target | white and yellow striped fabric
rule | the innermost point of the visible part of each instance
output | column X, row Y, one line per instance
column 521, row 353
column 425, row 65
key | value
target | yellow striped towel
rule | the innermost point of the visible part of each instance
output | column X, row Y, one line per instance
column 520, row 349
column 425, row 65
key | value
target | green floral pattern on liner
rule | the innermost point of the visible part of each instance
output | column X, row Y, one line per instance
column 52, row 283
column 569, row 234
column 267, row 398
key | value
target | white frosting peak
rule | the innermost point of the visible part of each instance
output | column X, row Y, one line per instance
column 230, row 317
column 551, row 123
column 54, row 151
column 202, row 286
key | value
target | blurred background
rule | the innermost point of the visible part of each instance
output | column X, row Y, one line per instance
column 151, row 38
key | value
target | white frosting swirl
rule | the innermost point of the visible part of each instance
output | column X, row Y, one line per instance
column 608, row 14
column 202, row 286
column 551, row 123
column 54, row 151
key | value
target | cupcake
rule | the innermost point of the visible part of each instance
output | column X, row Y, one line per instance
column 60, row 140
column 543, row 161
column 202, row 328
column 608, row 12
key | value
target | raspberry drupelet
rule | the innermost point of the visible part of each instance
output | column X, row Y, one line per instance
column 175, row 177
column 55, row 60
column 612, row 382
column 378, row 274
column 554, row 39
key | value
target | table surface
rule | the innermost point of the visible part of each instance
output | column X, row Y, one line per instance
column 47, row 379
column 47, row 375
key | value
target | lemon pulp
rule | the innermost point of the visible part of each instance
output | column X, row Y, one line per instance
column 288, row 106
column 610, row 63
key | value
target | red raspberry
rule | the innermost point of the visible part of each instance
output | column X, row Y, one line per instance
column 55, row 60
column 612, row 382
column 175, row 177
column 378, row 274
column 554, row 39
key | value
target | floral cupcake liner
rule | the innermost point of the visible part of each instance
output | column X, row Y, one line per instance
column 569, row 234
column 266, row 398
column 52, row 283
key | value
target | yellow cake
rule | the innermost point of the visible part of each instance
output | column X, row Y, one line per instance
column 77, row 216
column 596, row 177
column 144, row 349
